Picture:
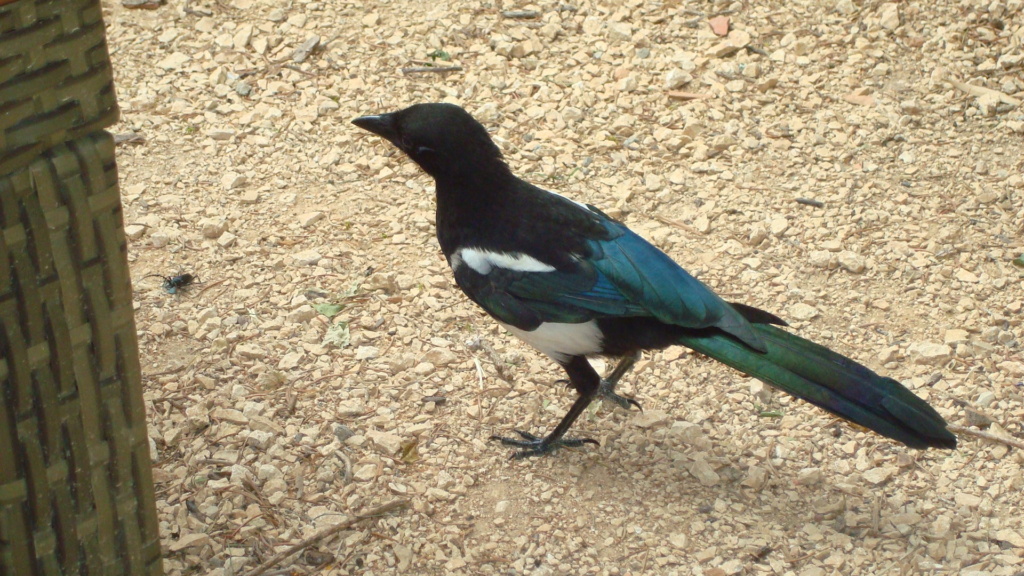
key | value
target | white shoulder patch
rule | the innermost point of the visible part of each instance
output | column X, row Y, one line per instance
column 580, row 204
column 561, row 341
column 483, row 261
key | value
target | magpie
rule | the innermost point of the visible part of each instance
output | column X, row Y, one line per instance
column 574, row 283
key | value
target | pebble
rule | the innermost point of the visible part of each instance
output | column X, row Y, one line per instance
column 193, row 540
column 389, row 444
column 651, row 418
column 735, row 41
column 620, row 31
column 879, row 475
column 889, row 15
column 977, row 418
column 307, row 258
column 173, row 61
column 250, row 351
column 367, row 352
column 821, row 259
column 232, row 180
column 134, row 231
column 955, row 336
column 801, row 311
column 808, row 477
column 259, row 439
column 303, row 313
column 159, row 239
column 365, row 473
column 342, row 432
column 852, row 262
column 677, row 78
column 213, row 228
column 930, row 353
column 440, row 357
column 778, row 226
column 227, row 240
column 755, row 478
column 985, row 399
column 290, row 361
column 703, row 472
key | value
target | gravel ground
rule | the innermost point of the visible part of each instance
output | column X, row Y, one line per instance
column 327, row 364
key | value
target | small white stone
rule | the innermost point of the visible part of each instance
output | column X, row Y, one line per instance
column 620, row 30
column 367, row 352
column 651, row 418
column 756, row 477
column 365, row 473
column 852, row 261
column 326, row 107
column 677, row 78
column 160, row 239
column 778, row 226
column 227, row 240
column 930, row 353
column 173, row 61
column 820, row 258
column 259, row 439
column 232, row 180
column 307, row 258
column 194, row 540
column 809, row 477
column 250, row 351
column 220, row 134
column 801, row 311
column 213, row 228
column 703, row 472
column 954, row 336
column 303, row 313
column 889, row 16
column 134, row 231
column 309, row 218
column 389, row 444
column 879, row 475
column 912, row 107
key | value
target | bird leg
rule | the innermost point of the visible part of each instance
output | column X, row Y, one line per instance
column 533, row 445
column 587, row 382
column 606, row 390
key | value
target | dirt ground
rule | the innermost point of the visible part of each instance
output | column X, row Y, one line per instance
column 327, row 364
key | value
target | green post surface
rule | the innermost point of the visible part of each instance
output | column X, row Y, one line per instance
column 76, row 486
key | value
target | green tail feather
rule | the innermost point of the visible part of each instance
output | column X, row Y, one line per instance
column 831, row 381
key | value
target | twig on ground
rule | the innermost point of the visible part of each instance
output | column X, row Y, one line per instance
column 986, row 435
column 435, row 69
column 376, row 512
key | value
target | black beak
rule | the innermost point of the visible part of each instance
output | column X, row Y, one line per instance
column 382, row 125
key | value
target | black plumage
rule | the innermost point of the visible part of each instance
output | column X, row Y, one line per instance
column 574, row 283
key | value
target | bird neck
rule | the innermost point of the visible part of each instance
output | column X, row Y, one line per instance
column 473, row 204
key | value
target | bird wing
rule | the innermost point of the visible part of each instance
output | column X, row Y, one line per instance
column 647, row 276
column 621, row 275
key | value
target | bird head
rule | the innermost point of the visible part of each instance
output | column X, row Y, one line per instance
column 442, row 138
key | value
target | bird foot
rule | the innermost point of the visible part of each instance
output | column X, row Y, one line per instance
column 606, row 392
column 536, row 446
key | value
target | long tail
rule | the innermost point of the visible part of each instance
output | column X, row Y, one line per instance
column 831, row 381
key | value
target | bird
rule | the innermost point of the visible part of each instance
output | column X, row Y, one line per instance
column 575, row 283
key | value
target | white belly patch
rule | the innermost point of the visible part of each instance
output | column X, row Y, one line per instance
column 560, row 340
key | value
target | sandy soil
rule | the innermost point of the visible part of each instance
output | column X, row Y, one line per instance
column 327, row 364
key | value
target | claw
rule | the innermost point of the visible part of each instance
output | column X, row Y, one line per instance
column 606, row 391
column 534, row 445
